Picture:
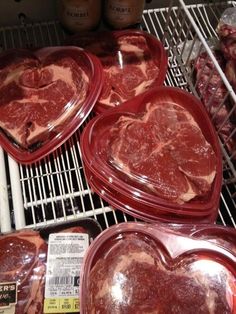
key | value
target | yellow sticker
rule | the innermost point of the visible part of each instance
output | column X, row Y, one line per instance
column 61, row 305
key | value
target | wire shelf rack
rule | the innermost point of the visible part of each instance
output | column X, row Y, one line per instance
column 55, row 189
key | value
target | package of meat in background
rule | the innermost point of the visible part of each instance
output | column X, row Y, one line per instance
column 24, row 262
column 214, row 94
column 226, row 30
column 210, row 87
column 133, row 62
column 159, row 150
column 46, row 94
column 138, row 269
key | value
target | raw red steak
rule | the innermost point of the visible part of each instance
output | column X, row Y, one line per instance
column 39, row 93
column 133, row 279
column 164, row 151
column 22, row 260
column 130, row 66
column 130, row 72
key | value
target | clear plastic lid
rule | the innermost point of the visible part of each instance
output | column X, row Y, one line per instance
column 46, row 95
column 148, row 212
column 139, row 268
column 133, row 61
column 154, row 145
column 223, row 236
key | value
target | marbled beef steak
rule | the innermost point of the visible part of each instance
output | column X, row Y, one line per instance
column 39, row 93
column 165, row 151
column 132, row 278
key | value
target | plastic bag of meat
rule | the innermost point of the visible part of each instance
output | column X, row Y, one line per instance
column 24, row 261
column 214, row 95
column 135, row 268
column 226, row 30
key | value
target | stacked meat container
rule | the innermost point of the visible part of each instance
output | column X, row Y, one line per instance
column 55, row 188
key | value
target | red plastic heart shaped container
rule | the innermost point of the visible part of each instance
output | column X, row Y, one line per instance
column 46, row 95
column 146, row 212
column 133, row 62
column 140, row 268
column 145, row 147
column 223, row 236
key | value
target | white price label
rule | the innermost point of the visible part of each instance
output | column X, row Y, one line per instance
column 65, row 256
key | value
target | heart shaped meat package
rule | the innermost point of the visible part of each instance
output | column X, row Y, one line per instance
column 46, row 94
column 144, row 211
column 221, row 235
column 133, row 62
column 159, row 148
column 139, row 268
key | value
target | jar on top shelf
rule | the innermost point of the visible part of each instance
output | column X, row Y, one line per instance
column 120, row 14
column 79, row 15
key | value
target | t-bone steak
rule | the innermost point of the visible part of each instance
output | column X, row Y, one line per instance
column 164, row 152
column 39, row 93
column 132, row 279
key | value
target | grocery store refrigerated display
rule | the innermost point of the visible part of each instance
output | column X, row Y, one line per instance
column 55, row 189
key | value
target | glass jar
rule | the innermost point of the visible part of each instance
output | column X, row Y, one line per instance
column 79, row 15
column 121, row 14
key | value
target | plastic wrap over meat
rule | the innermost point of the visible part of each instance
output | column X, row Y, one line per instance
column 214, row 94
column 23, row 258
column 134, row 268
column 227, row 32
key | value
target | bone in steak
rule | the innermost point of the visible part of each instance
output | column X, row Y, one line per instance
column 132, row 279
column 39, row 94
column 164, row 151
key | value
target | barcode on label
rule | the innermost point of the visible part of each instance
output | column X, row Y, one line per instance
column 61, row 281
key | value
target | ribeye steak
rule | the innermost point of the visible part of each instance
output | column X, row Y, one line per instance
column 39, row 93
column 164, row 151
column 132, row 279
column 23, row 260
column 23, row 257
column 130, row 72
column 128, row 62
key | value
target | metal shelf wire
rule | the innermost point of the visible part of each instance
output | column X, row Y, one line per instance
column 55, row 188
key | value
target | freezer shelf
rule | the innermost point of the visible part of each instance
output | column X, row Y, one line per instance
column 55, row 188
